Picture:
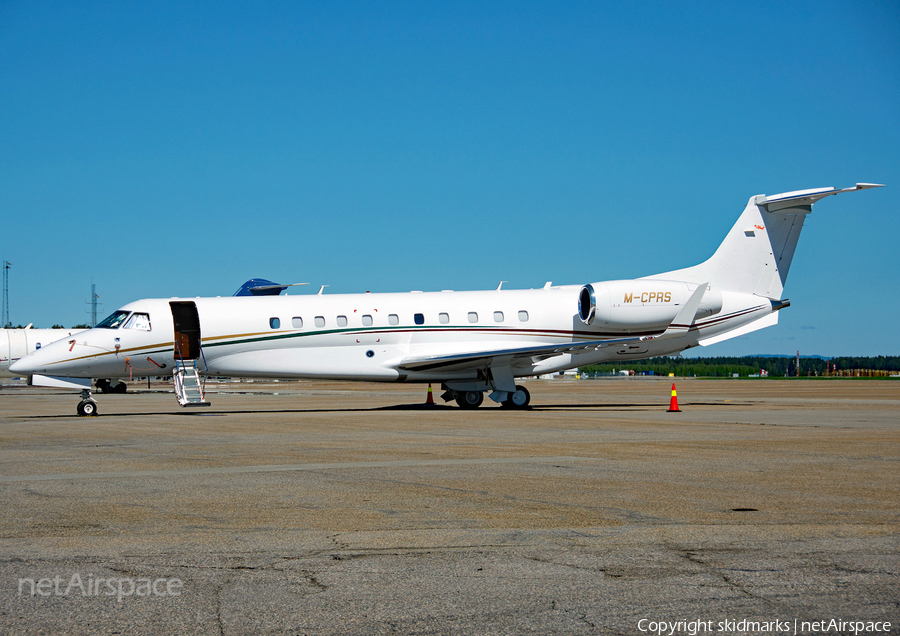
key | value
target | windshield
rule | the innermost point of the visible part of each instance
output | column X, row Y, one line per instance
column 138, row 321
column 114, row 320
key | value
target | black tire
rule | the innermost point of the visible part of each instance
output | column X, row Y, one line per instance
column 518, row 400
column 120, row 387
column 470, row 399
column 87, row 408
column 104, row 386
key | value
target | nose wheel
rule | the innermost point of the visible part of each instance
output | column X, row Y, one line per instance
column 87, row 407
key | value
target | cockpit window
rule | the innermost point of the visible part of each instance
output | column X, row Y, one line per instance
column 115, row 320
column 138, row 321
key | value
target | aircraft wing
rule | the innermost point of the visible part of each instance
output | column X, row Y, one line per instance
column 530, row 355
column 480, row 359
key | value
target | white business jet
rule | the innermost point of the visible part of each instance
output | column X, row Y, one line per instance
column 471, row 342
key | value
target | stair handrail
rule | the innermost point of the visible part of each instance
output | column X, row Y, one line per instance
column 206, row 366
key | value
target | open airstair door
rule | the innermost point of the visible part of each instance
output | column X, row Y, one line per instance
column 186, row 321
column 186, row 338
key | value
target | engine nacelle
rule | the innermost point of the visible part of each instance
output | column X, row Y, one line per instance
column 587, row 304
column 640, row 304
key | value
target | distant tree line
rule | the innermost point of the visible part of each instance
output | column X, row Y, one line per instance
column 746, row 366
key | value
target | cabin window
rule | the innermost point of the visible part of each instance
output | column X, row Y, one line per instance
column 498, row 316
column 419, row 319
column 523, row 316
column 274, row 323
column 342, row 321
column 393, row 319
column 443, row 318
column 138, row 321
column 367, row 320
column 114, row 320
column 473, row 316
column 297, row 322
column 320, row 321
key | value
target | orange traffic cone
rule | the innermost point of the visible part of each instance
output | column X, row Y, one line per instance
column 429, row 401
column 673, row 403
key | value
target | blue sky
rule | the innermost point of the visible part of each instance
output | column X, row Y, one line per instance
column 163, row 149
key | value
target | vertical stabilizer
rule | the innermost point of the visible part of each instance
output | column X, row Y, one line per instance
column 756, row 254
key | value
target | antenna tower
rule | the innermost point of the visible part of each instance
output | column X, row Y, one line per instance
column 6, row 266
column 94, row 304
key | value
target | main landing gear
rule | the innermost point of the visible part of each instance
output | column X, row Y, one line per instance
column 87, row 407
column 518, row 399
column 105, row 386
column 469, row 399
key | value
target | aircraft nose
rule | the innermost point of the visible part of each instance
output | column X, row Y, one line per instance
column 22, row 366
column 37, row 361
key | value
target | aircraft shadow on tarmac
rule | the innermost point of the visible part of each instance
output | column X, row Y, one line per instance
column 403, row 407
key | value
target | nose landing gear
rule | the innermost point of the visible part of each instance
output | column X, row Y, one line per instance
column 87, row 407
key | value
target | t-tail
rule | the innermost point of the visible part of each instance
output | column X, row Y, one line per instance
column 756, row 254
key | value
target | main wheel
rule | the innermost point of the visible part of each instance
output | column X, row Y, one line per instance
column 518, row 399
column 87, row 408
column 120, row 387
column 470, row 399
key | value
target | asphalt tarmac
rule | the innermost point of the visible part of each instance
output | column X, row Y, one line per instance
column 765, row 506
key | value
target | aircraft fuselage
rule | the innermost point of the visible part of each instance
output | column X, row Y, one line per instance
column 369, row 336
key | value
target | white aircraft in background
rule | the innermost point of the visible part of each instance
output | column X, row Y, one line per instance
column 470, row 342
column 18, row 343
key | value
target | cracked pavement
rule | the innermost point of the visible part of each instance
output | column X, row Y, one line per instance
column 317, row 508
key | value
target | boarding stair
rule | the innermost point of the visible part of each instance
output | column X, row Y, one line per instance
column 188, row 385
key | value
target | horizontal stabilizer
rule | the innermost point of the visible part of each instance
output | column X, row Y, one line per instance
column 263, row 287
column 775, row 202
